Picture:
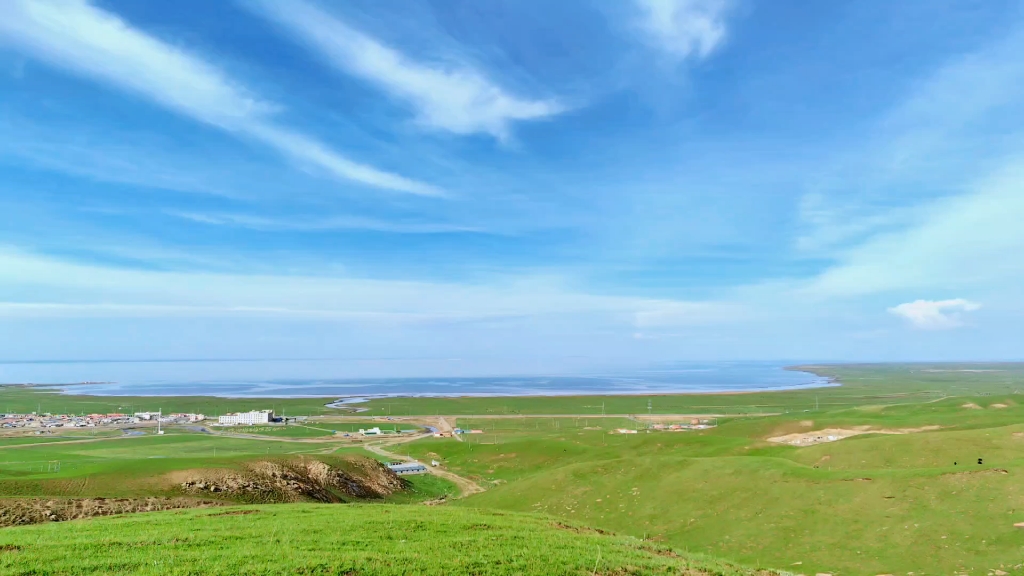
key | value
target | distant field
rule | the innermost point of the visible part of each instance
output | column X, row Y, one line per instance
column 316, row 429
column 24, row 399
column 294, row 431
column 337, row 539
column 119, row 466
column 58, row 436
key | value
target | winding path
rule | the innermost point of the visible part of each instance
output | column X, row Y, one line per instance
column 466, row 486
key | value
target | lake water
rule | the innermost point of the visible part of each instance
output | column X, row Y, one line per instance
column 294, row 378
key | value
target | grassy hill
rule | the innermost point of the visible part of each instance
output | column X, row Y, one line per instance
column 338, row 539
column 853, row 506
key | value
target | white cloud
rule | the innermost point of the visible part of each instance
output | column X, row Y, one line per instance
column 684, row 28
column 62, row 288
column 447, row 96
column 322, row 224
column 661, row 314
column 935, row 314
column 74, row 35
column 963, row 241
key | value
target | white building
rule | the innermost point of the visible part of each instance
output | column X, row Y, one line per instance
column 246, row 418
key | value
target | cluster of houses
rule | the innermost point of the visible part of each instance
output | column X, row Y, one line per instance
column 92, row 420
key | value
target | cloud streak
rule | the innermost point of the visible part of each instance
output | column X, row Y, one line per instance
column 62, row 288
column 935, row 314
column 446, row 96
column 91, row 42
column 684, row 29
column 323, row 224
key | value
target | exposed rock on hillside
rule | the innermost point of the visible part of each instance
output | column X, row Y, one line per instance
column 296, row 480
column 18, row 511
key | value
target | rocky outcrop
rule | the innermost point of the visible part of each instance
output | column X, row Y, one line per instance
column 18, row 511
column 297, row 480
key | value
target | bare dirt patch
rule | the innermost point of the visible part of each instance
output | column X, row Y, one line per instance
column 235, row 513
column 999, row 405
column 579, row 529
column 295, row 480
column 988, row 472
column 20, row 511
column 971, row 406
column 835, row 434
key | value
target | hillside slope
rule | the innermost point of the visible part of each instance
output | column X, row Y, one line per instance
column 324, row 539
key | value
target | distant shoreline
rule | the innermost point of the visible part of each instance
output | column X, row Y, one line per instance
column 69, row 388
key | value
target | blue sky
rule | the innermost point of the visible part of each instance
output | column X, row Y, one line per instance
column 512, row 185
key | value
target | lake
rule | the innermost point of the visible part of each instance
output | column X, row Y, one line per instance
column 311, row 378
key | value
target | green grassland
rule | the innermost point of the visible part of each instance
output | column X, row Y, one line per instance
column 869, row 504
column 324, row 539
column 125, row 466
column 26, row 399
column 293, row 431
column 855, row 506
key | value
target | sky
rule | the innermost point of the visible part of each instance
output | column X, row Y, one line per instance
column 512, row 186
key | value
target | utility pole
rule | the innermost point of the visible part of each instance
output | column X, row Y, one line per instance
column 648, row 407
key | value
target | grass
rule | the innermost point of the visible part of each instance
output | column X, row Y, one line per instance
column 26, row 399
column 325, row 539
column 125, row 466
column 294, row 431
column 849, row 507
column 853, row 506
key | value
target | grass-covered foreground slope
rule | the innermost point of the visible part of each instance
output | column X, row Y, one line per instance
column 324, row 539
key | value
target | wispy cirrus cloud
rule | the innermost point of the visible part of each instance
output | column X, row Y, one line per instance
column 94, row 43
column 322, row 224
column 935, row 314
column 446, row 96
column 62, row 287
column 684, row 28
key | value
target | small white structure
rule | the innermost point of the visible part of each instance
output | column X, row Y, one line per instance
column 402, row 468
column 246, row 418
column 375, row 431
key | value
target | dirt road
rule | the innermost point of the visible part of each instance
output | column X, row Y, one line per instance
column 466, row 486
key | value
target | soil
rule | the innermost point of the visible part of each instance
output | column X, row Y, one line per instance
column 20, row 511
column 835, row 434
column 295, row 480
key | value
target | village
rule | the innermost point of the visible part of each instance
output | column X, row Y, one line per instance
column 47, row 420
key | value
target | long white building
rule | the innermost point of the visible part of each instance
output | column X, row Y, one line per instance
column 246, row 418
